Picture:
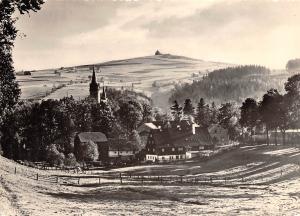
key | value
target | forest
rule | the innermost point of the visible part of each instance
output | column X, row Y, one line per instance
column 231, row 84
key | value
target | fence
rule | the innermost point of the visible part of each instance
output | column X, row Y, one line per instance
column 260, row 177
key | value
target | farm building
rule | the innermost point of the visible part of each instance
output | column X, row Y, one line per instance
column 121, row 150
column 177, row 141
column 110, row 150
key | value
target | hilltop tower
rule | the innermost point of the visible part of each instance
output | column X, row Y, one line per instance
column 94, row 87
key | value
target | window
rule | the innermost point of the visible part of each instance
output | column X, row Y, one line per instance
column 162, row 150
column 153, row 150
column 173, row 149
column 180, row 149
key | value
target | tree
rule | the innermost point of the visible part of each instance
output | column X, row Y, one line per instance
column 146, row 113
column 227, row 118
column 102, row 118
column 86, row 151
column 53, row 156
column 176, row 111
column 293, row 64
column 292, row 100
column 203, row 114
column 188, row 108
column 249, row 115
column 9, row 89
column 130, row 115
column 213, row 114
column 283, row 120
column 268, row 109
column 136, row 140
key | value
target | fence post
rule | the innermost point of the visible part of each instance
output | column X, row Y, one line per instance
column 78, row 180
column 181, row 179
column 142, row 179
column 211, row 180
column 99, row 180
column 56, row 179
column 37, row 176
column 161, row 180
column 121, row 178
column 15, row 170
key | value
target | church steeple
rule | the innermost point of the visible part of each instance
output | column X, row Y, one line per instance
column 94, row 87
column 94, row 76
column 103, row 95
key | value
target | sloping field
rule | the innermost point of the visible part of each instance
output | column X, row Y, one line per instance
column 270, row 186
column 165, row 70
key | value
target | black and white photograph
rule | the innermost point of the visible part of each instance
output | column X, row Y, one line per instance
column 149, row 107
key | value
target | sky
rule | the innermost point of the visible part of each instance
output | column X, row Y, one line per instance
column 74, row 32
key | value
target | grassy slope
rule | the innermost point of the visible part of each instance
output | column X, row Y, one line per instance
column 279, row 196
column 165, row 69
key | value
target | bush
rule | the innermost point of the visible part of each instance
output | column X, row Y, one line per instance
column 70, row 160
column 87, row 151
column 54, row 157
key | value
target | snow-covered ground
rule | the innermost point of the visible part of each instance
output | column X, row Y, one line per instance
column 271, row 186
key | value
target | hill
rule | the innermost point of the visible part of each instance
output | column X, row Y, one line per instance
column 232, row 84
column 152, row 75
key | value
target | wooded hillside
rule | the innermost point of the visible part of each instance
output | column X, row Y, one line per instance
column 230, row 84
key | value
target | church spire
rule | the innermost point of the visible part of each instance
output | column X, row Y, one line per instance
column 94, row 76
column 94, row 86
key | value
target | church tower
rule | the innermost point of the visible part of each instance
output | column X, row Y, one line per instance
column 103, row 97
column 94, row 87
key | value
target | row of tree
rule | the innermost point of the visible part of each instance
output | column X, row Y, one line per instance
column 276, row 112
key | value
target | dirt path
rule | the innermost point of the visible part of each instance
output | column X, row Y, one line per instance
column 8, row 202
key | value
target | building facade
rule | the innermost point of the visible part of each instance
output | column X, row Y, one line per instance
column 177, row 141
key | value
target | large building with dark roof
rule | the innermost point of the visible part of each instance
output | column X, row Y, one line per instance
column 176, row 140
column 98, row 138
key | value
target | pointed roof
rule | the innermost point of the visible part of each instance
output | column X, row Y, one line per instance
column 94, row 76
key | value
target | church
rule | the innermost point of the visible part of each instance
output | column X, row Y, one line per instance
column 95, row 89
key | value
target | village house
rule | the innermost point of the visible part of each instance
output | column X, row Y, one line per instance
column 177, row 141
column 121, row 150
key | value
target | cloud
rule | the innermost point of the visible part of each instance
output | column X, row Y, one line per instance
column 261, row 32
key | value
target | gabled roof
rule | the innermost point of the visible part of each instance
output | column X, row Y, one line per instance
column 93, row 136
column 120, row 145
column 201, row 137
column 181, row 137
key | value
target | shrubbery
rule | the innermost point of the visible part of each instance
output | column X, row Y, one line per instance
column 54, row 157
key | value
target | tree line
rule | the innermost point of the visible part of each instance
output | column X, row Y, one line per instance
column 276, row 112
